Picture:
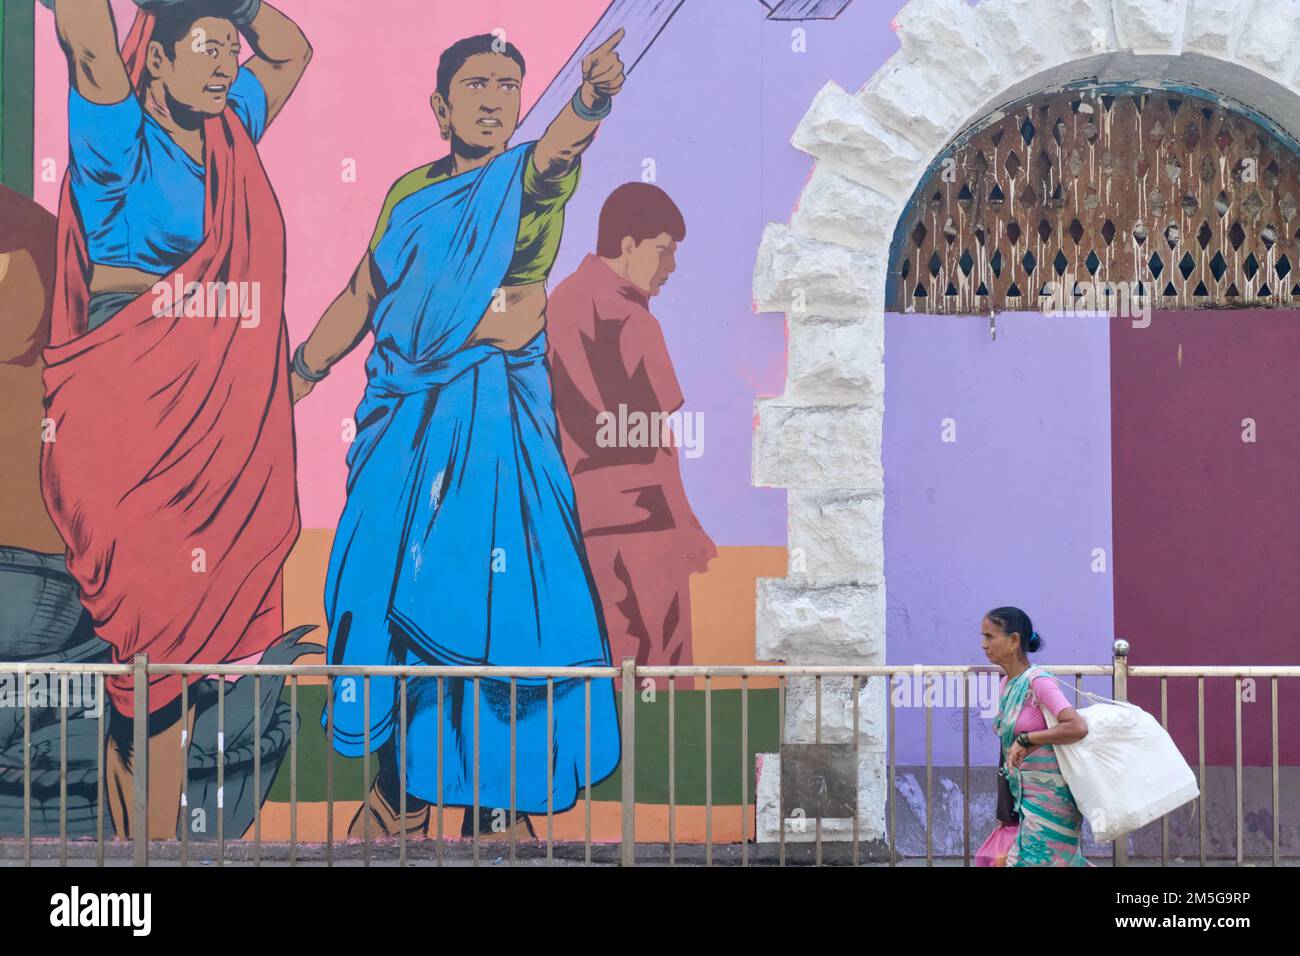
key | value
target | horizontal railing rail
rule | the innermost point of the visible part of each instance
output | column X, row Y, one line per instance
column 631, row 677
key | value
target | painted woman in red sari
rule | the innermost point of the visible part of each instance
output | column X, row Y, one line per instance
column 168, row 466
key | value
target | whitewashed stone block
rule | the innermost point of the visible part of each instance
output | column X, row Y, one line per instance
column 944, row 35
column 838, row 361
column 837, row 538
column 1151, row 26
column 835, row 208
column 837, row 711
column 1016, row 28
column 820, row 625
column 1212, row 26
column 1085, row 27
column 802, row 275
column 914, row 100
column 817, row 446
column 838, row 129
column 1269, row 43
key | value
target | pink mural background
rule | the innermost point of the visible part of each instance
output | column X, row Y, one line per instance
column 365, row 99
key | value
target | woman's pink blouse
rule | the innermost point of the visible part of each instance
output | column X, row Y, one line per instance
column 1031, row 717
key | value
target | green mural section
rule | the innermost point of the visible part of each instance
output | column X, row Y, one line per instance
column 652, row 746
column 17, row 58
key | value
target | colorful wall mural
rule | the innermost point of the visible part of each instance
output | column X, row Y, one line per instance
column 420, row 332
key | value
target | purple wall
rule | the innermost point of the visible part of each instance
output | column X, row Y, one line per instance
column 967, row 526
column 721, row 150
column 1007, row 514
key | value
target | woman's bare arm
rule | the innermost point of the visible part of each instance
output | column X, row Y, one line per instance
column 343, row 326
column 569, row 134
column 88, row 36
column 281, row 56
column 1070, row 729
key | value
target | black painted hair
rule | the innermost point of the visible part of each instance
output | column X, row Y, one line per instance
column 454, row 57
column 173, row 24
column 1015, row 621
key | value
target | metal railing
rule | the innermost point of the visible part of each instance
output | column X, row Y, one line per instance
column 630, row 676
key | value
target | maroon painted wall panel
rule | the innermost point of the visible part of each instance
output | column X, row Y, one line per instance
column 1207, row 526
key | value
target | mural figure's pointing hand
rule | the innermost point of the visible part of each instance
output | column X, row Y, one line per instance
column 602, row 73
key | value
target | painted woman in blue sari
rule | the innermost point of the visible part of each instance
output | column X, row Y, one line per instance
column 460, row 542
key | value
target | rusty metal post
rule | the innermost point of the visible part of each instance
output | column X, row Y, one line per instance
column 1120, row 691
column 629, row 762
column 140, row 760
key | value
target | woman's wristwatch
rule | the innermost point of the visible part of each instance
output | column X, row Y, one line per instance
column 1023, row 739
column 300, row 367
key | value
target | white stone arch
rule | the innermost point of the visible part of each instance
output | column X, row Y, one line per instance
column 826, row 269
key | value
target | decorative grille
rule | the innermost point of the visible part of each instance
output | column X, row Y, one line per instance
column 1165, row 195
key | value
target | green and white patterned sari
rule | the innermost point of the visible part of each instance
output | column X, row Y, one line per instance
column 1051, row 826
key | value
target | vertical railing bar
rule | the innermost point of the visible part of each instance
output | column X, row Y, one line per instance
column 99, row 769
column 1078, row 684
column 672, row 770
column 550, row 770
column 929, row 777
column 257, row 769
column 857, row 764
column 329, row 777
column 1119, row 684
column 1200, row 750
column 27, row 775
column 513, row 741
column 627, row 808
column 185, row 772
column 780, row 802
column 744, row 770
column 818, row 739
column 1164, row 722
column 221, row 771
column 441, row 720
column 63, row 769
column 965, row 766
column 401, row 770
column 293, row 765
column 365, row 772
column 139, row 760
column 476, row 771
column 708, row 770
column 1241, row 839
column 1277, row 807
column 586, row 779
column 892, row 796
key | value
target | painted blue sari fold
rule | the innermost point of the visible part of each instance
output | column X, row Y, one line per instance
column 459, row 542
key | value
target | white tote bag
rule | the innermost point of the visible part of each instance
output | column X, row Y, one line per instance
column 1127, row 771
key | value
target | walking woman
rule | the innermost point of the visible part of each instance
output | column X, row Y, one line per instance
column 1049, row 829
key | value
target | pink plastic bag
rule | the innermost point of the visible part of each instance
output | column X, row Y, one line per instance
column 993, row 852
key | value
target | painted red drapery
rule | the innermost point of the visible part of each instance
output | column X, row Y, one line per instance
column 171, row 471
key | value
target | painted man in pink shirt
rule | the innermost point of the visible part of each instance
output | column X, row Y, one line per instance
column 615, row 388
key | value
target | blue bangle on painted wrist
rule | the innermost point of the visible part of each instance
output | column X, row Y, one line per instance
column 591, row 116
column 300, row 366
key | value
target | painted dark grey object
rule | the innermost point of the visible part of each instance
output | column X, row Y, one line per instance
column 805, row 9
column 41, row 619
column 819, row 779
column 276, row 718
